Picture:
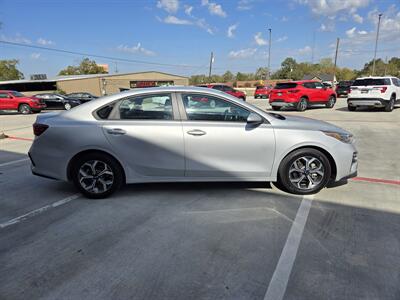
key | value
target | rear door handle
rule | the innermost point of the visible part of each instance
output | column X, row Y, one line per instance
column 116, row 131
column 196, row 132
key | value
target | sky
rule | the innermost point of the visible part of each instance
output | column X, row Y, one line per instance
column 177, row 36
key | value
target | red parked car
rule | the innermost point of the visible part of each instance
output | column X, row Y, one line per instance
column 12, row 100
column 301, row 94
column 227, row 89
column 262, row 91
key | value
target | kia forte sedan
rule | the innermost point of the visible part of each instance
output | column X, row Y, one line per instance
column 186, row 134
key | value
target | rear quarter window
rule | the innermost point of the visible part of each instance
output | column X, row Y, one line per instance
column 285, row 85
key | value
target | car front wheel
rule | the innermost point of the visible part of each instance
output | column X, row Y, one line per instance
column 97, row 175
column 67, row 106
column 390, row 105
column 304, row 171
column 351, row 108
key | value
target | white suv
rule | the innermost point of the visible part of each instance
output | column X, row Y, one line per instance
column 375, row 92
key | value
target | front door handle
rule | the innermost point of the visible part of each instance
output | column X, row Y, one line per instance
column 116, row 131
column 196, row 132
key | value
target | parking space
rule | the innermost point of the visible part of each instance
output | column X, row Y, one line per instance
column 202, row 240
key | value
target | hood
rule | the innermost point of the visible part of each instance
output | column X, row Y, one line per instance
column 303, row 123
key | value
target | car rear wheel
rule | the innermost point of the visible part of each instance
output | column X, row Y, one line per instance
column 351, row 108
column 24, row 109
column 67, row 106
column 275, row 108
column 304, row 171
column 302, row 104
column 97, row 175
column 331, row 102
column 390, row 105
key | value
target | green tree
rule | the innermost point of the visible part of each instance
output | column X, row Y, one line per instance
column 9, row 71
column 261, row 73
column 228, row 76
column 86, row 66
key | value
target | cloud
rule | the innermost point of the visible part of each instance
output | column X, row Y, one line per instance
column 357, row 18
column 231, row 30
column 44, row 42
column 245, row 5
column 214, row 8
column 170, row 6
column 201, row 23
column 350, row 32
column 176, row 21
column 188, row 10
column 259, row 40
column 18, row 38
column 329, row 27
column 138, row 49
column 305, row 50
column 243, row 53
column 282, row 39
column 330, row 8
column 35, row 56
column 284, row 19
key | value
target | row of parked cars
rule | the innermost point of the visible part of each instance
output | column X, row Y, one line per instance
column 13, row 100
column 382, row 92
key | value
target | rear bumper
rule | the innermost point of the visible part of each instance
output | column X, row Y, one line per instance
column 376, row 102
column 282, row 103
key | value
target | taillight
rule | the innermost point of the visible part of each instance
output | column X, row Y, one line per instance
column 292, row 91
column 38, row 129
column 383, row 89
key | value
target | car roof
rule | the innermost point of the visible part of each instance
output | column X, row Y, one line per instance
column 376, row 77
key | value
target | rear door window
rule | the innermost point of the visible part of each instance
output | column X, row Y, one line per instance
column 146, row 107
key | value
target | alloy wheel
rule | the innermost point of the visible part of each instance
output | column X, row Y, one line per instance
column 306, row 172
column 96, row 176
column 67, row 106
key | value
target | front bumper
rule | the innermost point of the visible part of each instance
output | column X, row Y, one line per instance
column 375, row 102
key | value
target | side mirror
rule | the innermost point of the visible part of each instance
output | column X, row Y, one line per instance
column 254, row 119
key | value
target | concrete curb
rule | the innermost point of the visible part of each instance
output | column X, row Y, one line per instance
column 2, row 135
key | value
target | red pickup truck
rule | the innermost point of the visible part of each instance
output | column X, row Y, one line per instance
column 12, row 100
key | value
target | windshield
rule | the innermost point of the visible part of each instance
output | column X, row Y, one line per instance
column 17, row 94
column 345, row 83
column 371, row 81
column 285, row 85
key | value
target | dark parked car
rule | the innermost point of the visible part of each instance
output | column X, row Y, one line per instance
column 343, row 88
column 57, row 101
column 83, row 97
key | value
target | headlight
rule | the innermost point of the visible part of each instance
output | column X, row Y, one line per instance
column 343, row 137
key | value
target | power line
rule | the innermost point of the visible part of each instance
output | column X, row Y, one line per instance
column 97, row 56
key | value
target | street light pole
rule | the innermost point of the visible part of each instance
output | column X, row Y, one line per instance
column 269, row 55
column 376, row 43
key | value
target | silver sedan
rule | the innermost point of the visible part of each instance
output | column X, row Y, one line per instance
column 182, row 134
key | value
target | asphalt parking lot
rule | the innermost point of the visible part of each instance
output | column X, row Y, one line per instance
column 205, row 241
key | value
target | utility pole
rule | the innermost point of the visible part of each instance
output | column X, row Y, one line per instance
column 336, row 53
column 269, row 55
column 386, row 63
column 376, row 43
column 211, row 63
column 313, row 48
column 116, row 67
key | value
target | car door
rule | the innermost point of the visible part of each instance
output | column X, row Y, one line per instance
column 320, row 92
column 220, row 144
column 145, row 132
column 311, row 91
column 6, row 102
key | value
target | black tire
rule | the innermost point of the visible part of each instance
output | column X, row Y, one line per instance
column 321, row 181
column 24, row 109
column 351, row 108
column 243, row 98
column 302, row 104
column 390, row 105
column 36, row 111
column 275, row 108
column 331, row 102
column 118, row 177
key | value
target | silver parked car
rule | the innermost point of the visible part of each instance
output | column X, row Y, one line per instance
column 181, row 134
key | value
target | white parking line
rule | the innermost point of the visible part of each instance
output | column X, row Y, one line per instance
column 39, row 211
column 13, row 162
column 278, row 284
